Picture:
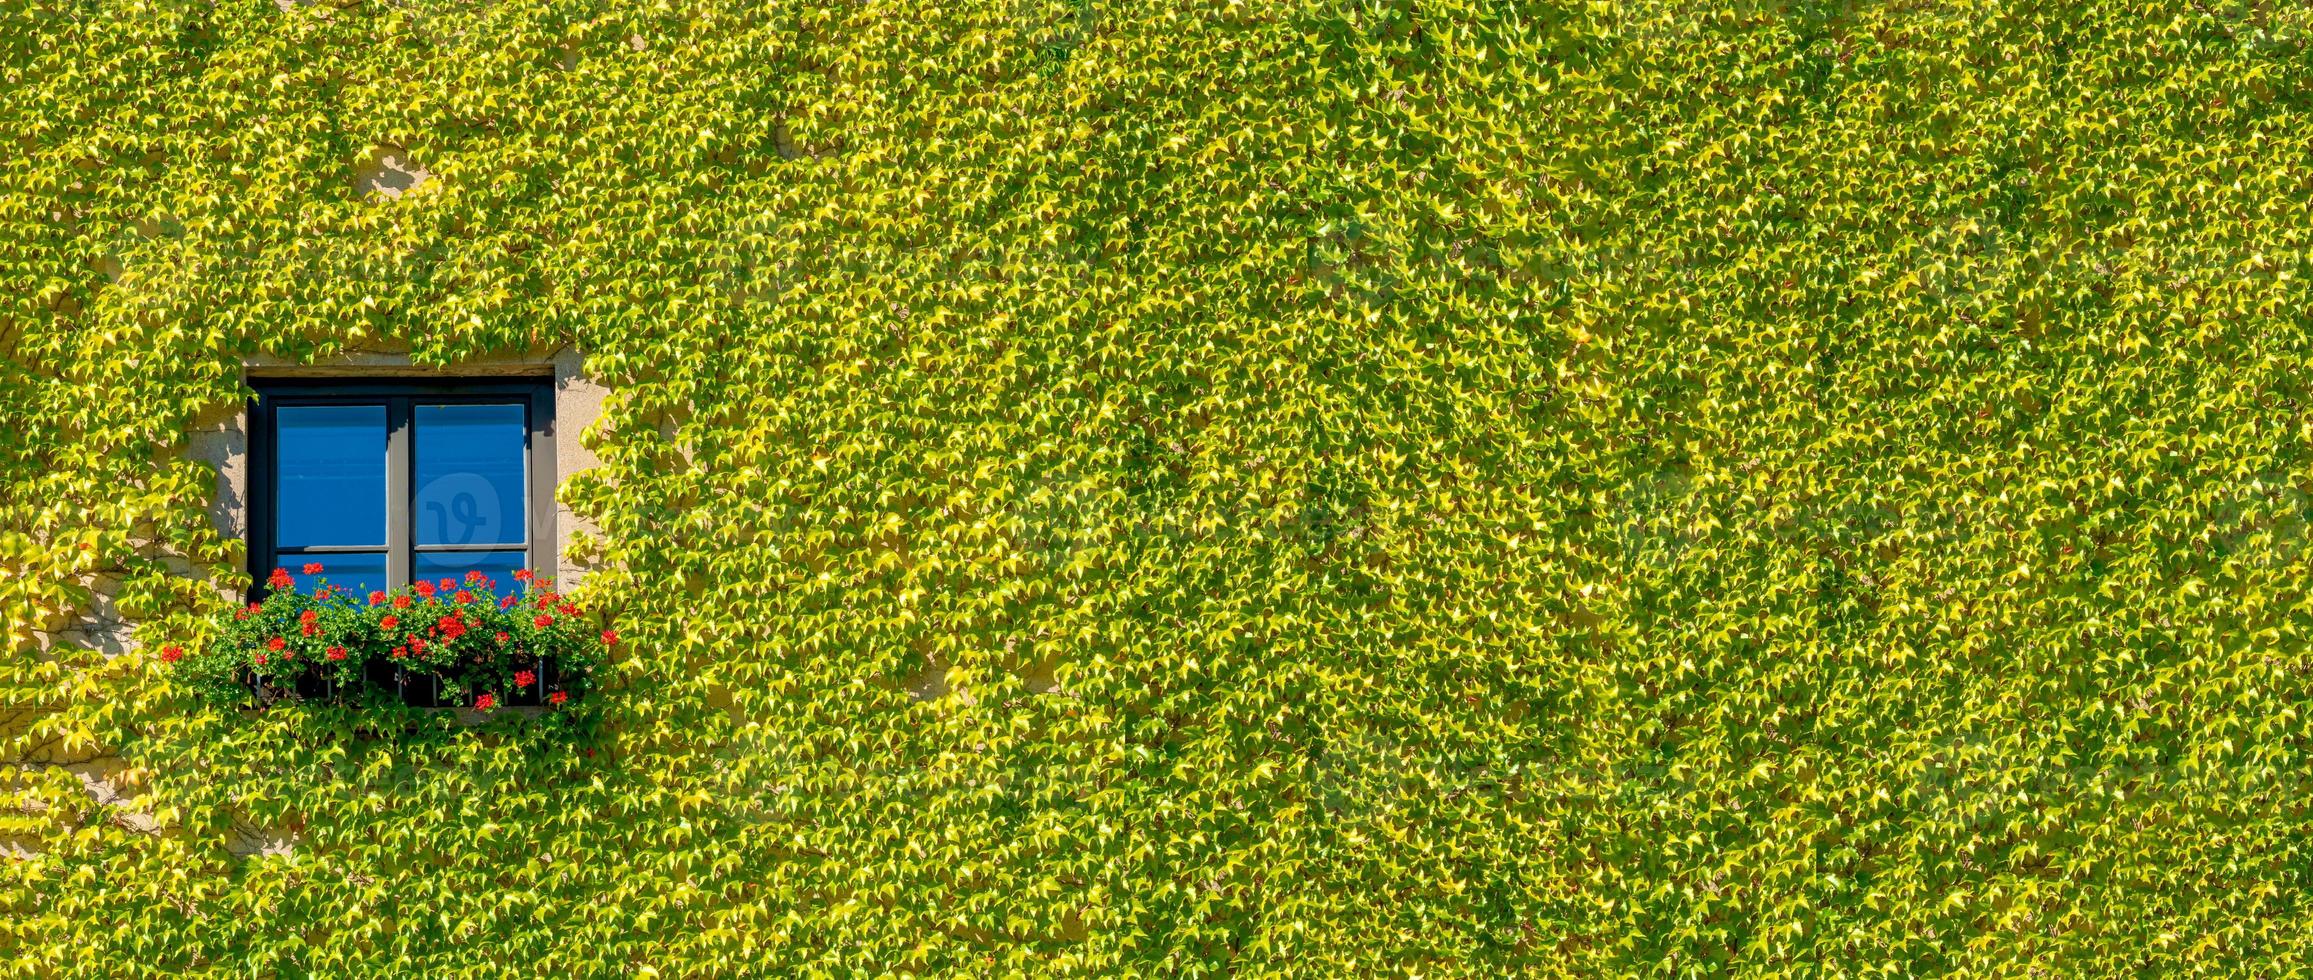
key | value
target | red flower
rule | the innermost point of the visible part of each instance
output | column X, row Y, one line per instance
column 377, row 598
column 450, row 627
column 448, row 584
column 567, row 609
column 256, row 607
column 401, row 602
column 558, row 697
column 389, row 622
column 172, row 653
column 308, row 616
column 542, row 621
column 506, row 603
column 309, row 629
column 417, row 643
column 425, row 589
column 312, row 568
column 521, row 575
column 485, row 702
column 546, row 599
column 279, row 579
column 276, row 643
column 524, row 678
column 475, row 576
column 337, row 653
column 610, row 638
column 260, row 660
column 463, row 596
column 502, row 636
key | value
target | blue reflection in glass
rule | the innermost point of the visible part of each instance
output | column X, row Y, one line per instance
column 499, row 565
column 469, row 474
column 330, row 475
column 360, row 573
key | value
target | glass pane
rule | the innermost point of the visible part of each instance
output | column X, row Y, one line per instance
column 499, row 565
column 469, row 474
column 360, row 573
column 331, row 475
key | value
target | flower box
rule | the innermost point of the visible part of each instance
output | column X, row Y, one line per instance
column 448, row 643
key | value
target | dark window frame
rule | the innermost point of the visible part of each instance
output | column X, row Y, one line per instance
column 399, row 396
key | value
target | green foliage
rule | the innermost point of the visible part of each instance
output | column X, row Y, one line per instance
column 1409, row 486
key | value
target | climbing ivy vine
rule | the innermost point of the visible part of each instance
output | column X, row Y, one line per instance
column 1365, row 486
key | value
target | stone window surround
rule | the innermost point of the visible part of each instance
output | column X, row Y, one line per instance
column 220, row 437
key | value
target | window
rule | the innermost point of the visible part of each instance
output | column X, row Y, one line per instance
column 386, row 482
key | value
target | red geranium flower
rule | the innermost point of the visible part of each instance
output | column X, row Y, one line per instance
column 172, row 653
column 377, row 598
column 463, row 596
column 475, row 576
column 308, row 616
column 521, row 575
column 450, row 627
column 417, row 643
column 309, row 629
column 524, row 678
column 448, row 584
column 276, row 643
column 424, row 588
column 542, row 621
column 610, row 638
column 502, row 636
column 337, row 653
column 558, row 697
column 279, row 579
column 312, row 568
column 401, row 602
column 389, row 622
column 485, row 702
column 260, row 660
column 506, row 602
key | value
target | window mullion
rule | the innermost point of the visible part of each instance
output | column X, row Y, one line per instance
column 398, row 450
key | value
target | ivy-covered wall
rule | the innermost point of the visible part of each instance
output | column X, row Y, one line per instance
column 1407, row 486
